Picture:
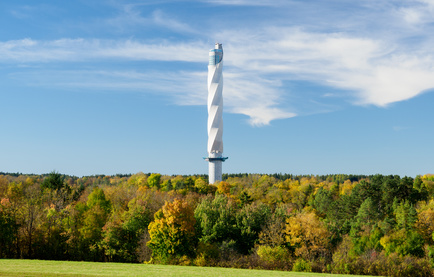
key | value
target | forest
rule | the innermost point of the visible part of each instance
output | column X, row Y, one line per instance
column 349, row 224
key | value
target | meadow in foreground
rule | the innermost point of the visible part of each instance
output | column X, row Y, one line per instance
column 36, row 268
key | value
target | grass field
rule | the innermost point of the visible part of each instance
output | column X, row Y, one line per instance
column 37, row 268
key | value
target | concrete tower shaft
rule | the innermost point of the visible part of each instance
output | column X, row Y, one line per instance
column 215, row 100
column 215, row 112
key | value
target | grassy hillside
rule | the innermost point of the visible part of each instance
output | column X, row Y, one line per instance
column 37, row 268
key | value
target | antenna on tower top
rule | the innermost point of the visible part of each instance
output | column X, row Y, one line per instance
column 218, row 46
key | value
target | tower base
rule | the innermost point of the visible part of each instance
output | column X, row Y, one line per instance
column 215, row 167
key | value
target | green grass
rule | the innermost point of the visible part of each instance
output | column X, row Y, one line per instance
column 37, row 268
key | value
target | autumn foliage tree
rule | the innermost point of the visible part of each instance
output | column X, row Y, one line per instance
column 172, row 232
column 307, row 235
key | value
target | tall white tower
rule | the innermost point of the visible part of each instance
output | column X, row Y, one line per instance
column 215, row 110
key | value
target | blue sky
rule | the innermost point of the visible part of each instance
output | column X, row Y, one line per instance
column 310, row 87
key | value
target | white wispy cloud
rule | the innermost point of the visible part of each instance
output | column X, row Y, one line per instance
column 162, row 19
column 419, row 12
column 32, row 10
column 22, row 12
column 163, row 51
column 132, row 16
column 252, row 95
column 245, row 93
column 256, row 99
column 372, row 67
column 378, row 73
column 29, row 50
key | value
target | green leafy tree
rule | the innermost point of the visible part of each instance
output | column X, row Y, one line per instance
column 202, row 186
column 322, row 201
column 216, row 219
column 362, row 233
column 95, row 215
column 154, row 180
column 250, row 220
column 404, row 243
column 404, row 239
column 405, row 214
column 245, row 198
column 365, row 218
column 123, row 232
column 54, row 181
column 167, row 185
column 420, row 188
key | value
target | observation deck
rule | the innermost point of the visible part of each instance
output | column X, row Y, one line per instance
column 211, row 159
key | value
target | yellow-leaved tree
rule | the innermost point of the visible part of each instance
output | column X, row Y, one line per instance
column 172, row 232
column 307, row 235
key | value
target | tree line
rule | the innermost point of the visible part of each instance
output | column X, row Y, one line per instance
column 352, row 224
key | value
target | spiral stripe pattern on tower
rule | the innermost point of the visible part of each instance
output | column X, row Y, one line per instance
column 215, row 100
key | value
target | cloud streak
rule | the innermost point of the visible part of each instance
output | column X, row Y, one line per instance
column 78, row 50
column 376, row 69
column 130, row 16
column 378, row 73
column 258, row 99
column 245, row 93
column 375, row 72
